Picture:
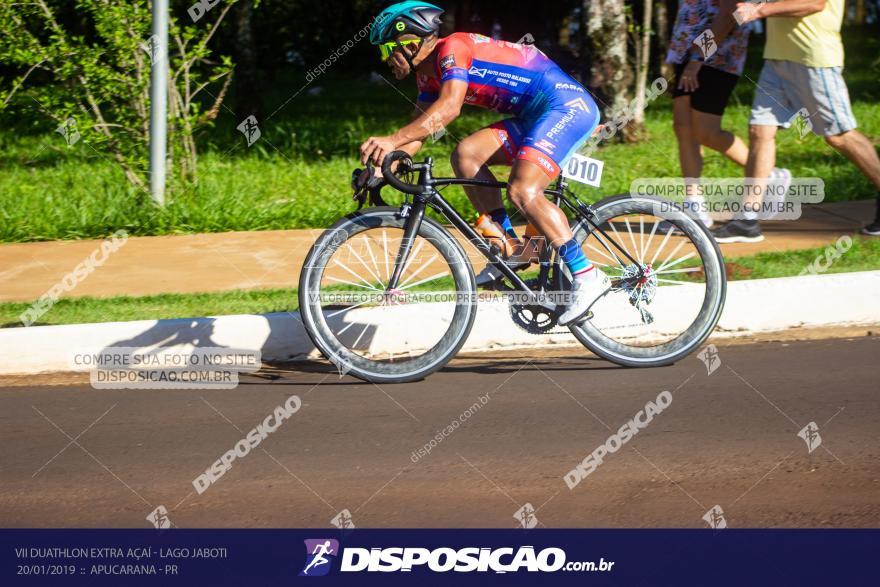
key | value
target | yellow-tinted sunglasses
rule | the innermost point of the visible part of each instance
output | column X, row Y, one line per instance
column 386, row 49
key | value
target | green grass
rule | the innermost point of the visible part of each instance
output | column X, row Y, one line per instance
column 297, row 174
column 157, row 307
column 863, row 256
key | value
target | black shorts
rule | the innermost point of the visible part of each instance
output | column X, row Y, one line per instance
column 714, row 92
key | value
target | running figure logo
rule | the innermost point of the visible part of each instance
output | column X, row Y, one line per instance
column 709, row 357
column 250, row 129
column 810, row 435
column 320, row 552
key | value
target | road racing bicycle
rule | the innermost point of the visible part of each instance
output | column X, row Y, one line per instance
column 388, row 294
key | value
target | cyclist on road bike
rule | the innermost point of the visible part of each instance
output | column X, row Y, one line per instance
column 552, row 115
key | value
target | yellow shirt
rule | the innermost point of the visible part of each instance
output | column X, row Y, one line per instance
column 812, row 40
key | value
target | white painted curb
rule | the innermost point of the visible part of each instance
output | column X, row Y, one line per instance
column 760, row 305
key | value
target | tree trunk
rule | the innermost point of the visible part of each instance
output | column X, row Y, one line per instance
column 661, row 45
column 610, row 73
column 860, row 12
column 249, row 97
column 643, row 64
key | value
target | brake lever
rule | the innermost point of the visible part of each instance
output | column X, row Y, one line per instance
column 366, row 185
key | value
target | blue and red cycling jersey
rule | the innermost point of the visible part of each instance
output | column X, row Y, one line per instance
column 553, row 113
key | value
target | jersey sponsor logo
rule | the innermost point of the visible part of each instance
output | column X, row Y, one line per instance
column 478, row 72
column 447, row 62
column 546, row 145
column 505, row 141
column 579, row 104
column 560, row 126
column 546, row 164
column 567, row 86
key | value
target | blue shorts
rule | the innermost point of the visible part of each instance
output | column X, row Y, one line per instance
column 555, row 124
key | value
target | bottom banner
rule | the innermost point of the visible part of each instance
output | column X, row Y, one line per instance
column 437, row 557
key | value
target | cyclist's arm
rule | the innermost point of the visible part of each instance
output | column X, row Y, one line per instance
column 435, row 117
column 413, row 147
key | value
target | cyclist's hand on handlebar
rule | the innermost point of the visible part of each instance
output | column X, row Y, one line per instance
column 375, row 149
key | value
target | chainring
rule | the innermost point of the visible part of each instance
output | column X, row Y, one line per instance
column 533, row 318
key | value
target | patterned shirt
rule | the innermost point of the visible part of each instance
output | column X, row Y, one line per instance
column 696, row 16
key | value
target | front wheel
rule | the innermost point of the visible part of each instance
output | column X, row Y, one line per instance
column 377, row 334
column 667, row 313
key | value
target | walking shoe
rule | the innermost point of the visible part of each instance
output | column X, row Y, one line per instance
column 781, row 179
column 738, row 231
column 696, row 208
column 585, row 290
column 873, row 229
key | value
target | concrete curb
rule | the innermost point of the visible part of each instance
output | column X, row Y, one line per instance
column 753, row 306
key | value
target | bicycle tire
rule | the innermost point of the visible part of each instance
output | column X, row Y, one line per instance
column 710, row 311
column 381, row 371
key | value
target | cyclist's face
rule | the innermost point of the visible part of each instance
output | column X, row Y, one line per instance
column 397, row 62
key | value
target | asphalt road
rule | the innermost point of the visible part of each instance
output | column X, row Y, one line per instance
column 72, row 456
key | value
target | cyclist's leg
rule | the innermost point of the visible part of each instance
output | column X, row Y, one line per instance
column 548, row 142
column 493, row 145
column 526, row 192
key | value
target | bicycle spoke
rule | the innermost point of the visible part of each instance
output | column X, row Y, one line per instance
column 641, row 238
column 412, row 255
column 358, row 339
column 373, row 258
column 632, row 239
column 677, row 261
column 654, row 226
column 336, row 279
column 671, row 254
column 387, row 260
column 609, row 249
column 600, row 252
column 417, row 271
column 347, row 308
column 662, row 245
column 340, row 264
column 683, row 270
column 426, row 280
column 364, row 263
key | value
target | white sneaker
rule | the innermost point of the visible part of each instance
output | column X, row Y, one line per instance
column 781, row 178
column 696, row 207
column 585, row 290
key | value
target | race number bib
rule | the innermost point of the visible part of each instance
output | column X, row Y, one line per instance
column 584, row 170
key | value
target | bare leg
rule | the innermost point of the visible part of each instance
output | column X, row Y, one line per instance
column 689, row 153
column 526, row 191
column 762, row 158
column 709, row 133
column 858, row 149
column 471, row 158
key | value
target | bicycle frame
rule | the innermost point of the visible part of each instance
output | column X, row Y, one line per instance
column 414, row 213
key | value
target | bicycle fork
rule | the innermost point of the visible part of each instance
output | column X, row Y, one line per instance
column 413, row 214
